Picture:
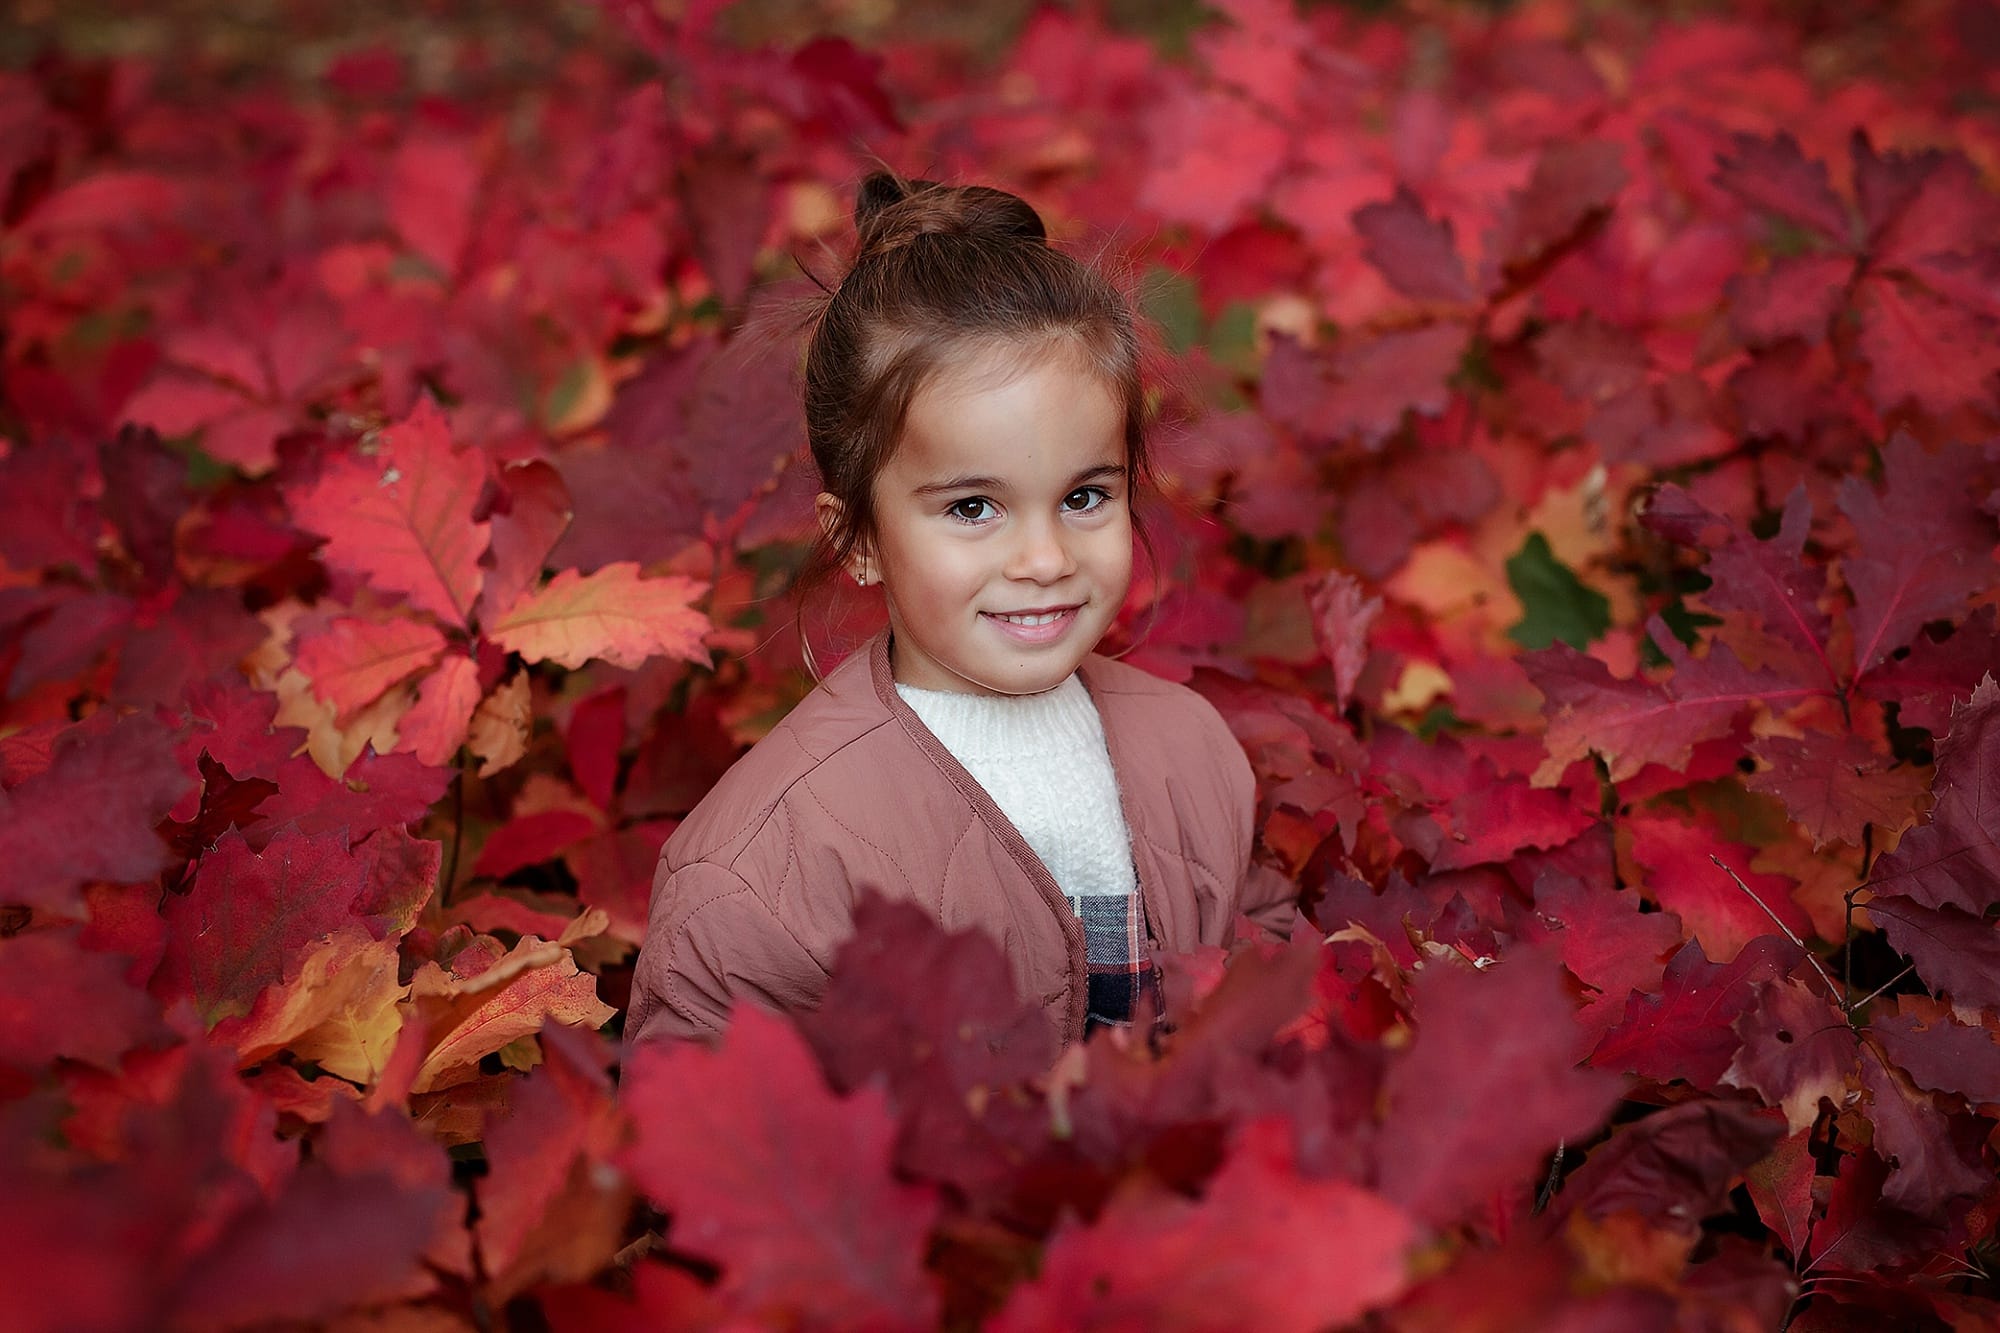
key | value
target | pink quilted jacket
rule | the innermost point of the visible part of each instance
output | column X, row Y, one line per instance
column 755, row 890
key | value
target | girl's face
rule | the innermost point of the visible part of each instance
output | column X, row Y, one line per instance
column 1003, row 536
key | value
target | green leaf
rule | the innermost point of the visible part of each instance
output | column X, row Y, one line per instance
column 1558, row 605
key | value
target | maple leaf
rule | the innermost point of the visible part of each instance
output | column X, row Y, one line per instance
column 1775, row 176
column 1156, row 1260
column 530, row 839
column 249, row 915
column 1442, row 1150
column 1724, row 906
column 402, row 517
column 226, row 803
column 1605, row 941
column 1953, row 857
column 499, row 730
column 1780, row 1188
column 1770, row 580
column 1573, row 184
column 1835, row 787
column 1209, row 154
column 90, row 814
column 1795, row 297
column 61, row 1001
column 1936, row 672
column 1924, row 350
column 353, row 661
column 1687, row 1031
column 594, row 737
column 785, row 1185
column 613, row 614
column 1901, row 579
column 1635, row 722
column 1797, row 1050
column 1416, row 254
column 533, row 513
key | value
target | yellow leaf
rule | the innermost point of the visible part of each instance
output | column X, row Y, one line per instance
column 340, row 1011
column 502, row 724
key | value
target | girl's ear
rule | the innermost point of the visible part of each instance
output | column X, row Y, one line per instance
column 860, row 562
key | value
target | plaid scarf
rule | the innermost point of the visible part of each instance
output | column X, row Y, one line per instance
column 1121, row 963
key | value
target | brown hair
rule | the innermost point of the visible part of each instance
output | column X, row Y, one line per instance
column 937, row 270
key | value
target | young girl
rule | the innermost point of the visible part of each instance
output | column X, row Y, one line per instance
column 974, row 406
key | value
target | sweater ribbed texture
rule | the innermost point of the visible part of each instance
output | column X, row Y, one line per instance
column 1042, row 759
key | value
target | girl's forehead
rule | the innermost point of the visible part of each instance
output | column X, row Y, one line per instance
column 1053, row 415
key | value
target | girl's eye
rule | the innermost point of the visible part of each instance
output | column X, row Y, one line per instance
column 1085, row 498
column 972, row 509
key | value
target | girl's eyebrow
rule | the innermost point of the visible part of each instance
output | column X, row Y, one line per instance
column 1101, row 470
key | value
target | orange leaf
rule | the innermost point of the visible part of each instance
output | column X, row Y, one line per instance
column 468, row 1018
column 437, row 722
column 355, row 660
column 612, row 614
column 501, row 725
column 339, row 1011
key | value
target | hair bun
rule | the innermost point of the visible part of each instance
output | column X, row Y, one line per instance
column 891, row 211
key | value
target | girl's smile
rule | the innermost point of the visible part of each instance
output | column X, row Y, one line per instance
column 1003, row 533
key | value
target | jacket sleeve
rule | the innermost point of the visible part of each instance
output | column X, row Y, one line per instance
column 711, row 941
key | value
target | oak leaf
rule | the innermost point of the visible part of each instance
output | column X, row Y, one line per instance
column 1928, row 1168
column 402, row 516
column 1835, row 787
column 1687, row 1031
column 613, row 614
column 1797, row 1051
column 1953, row 857
column 353, row 661
column 500, row 727
column 337, row 1010
column 436, row 724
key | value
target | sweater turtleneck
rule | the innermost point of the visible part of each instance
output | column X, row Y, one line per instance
column 1043, row 760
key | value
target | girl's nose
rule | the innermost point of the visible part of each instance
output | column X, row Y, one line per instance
column 1041, row 554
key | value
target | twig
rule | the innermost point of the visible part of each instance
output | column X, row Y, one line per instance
column 1555, row 1179
column 1884, row 986
column 1832, row 989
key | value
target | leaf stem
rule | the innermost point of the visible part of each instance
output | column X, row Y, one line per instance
column 1884, row 986
column 1833, row 990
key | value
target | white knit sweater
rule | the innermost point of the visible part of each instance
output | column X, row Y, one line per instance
column 1042, row 759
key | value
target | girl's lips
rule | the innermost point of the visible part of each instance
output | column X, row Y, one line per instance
column 1031, row 635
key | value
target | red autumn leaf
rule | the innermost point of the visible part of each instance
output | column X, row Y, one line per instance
column 1417, row 255
column 1922, row 547
column 1956, row 952
column 90, row 814
column 1937, row 672
column 732, row 413
column 1795, row 297
column 595, row 735
column 436, row 724
column 398, row 873
column 1209, row 155
column 531, row 839
column 1675, row 1167
column 432, row 185
column 353, row 661
column 613, row 614
column 1775, row 176
column 1483, row 1039
column 1924, row 350
column 1157, row 1260
column 1835, row 787
column 1380, row 380
column 1780, row 1188
column 1770, row 580
column 248, row 916
column 1341, row 617
column 402, row 516
column 1634, row 722
column 226, row 803
column 1928, row 1169
column 1714, row 907
column 531, row 518
column 1953, row 857
column 1573, row 183
column 60, row 1001
column 547, row 1211
column 1937, row 1053
column 491, row 998
column 1797, row 1050
column 783, row 1184
column 1687, row 1030
column 1605, row 941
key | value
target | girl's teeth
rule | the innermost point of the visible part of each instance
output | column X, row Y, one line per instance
column 1033, row 620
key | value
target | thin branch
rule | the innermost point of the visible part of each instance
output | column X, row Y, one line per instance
column 1884, row 986
column 1832, row 987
